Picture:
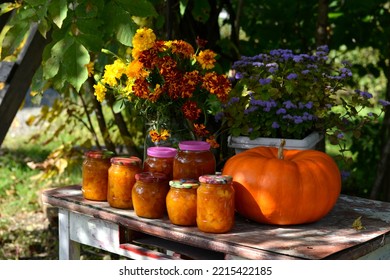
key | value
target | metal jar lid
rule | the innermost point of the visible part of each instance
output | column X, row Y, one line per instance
column 216, row 179
column 126, row 161
column 102, row 154
column 184, row 183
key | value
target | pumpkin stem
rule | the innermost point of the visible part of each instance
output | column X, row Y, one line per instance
column 280, row 150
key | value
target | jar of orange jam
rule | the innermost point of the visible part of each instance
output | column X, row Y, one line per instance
column 215, row 204
column 181, row 202
column 149, row 194
column 160, row 159
column 95, row 175
column 193, row 159
column 121, row 179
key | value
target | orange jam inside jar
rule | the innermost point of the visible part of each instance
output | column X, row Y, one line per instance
column 149, row 194
column 160, row 159
column 95, row 175
column 181, row 202
column 215, row 204
column 121, row 179
column 193, row 159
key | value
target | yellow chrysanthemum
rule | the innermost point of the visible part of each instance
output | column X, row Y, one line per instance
column 100, row 92
column 206, row 59
column 113, row 72
column 143, row 39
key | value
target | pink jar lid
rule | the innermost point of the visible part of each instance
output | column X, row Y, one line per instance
column 151, row 177
column 162, row 152
column 194, row 145
column 127, row 161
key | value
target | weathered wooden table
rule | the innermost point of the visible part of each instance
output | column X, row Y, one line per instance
column 122, row 232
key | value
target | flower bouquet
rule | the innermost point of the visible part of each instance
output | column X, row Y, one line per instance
column 168, row 83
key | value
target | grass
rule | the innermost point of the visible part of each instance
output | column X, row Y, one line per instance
column 25, row 230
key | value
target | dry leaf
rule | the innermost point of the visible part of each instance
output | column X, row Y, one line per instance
column 357, row 224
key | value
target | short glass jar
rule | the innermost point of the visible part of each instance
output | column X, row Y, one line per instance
column 95, row 175
column 149, row 194
column 193, row 159
column 181, row 202
column 215, row 204
column 121, row 179
column 160, row 159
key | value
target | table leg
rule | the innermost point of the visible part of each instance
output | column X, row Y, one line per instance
column 68, row 249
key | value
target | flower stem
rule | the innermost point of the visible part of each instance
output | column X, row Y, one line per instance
column 280, row 150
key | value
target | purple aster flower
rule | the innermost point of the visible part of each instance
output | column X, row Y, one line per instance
column 298, row 119
column 384, row 103
column 239, row 76
column 364, row 94
column 305, row 72
column 265, row 81
column 218, row 116
column 292, row 76
column 281, row 111
column 275, row 125
column 289, row 105
column 309, row 105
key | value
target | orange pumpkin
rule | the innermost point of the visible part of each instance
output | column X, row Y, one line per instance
column 284, row 187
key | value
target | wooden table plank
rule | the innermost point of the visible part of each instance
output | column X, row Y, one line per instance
column 332, row 237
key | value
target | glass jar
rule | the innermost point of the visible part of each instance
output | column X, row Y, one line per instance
column 149, row 194
column 121, row 179
column 193, row 159
column 160, row 159
column 181, row 202
column 215, row 204
column 95, row 175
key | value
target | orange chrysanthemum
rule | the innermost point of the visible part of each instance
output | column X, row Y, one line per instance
column 200, row 130
column 217, row 84
column 206, row 58
column 191, row 111
column 158, row 136
column 182, row 48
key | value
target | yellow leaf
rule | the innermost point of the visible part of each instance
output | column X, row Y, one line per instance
column 357, row 224
column 61, row 164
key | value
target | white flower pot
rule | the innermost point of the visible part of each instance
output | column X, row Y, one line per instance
column 242, row 143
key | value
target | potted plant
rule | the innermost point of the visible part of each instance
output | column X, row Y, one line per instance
column 281, row 94
column 170, row 84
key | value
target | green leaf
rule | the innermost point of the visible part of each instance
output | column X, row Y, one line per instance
column 201, row 10
column 11, row 37
column 51, row 66
column 139, row 8
column 125, row 33
column 74, row 64
column 7, row 7
column 118, row 106
column 58, row 11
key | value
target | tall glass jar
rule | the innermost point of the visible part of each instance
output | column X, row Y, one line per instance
column 121, row 179
column 215, row 204
column 160, row 159
column 149, row 194
column 193, row 159
column 181, row 202
column 95, row 175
